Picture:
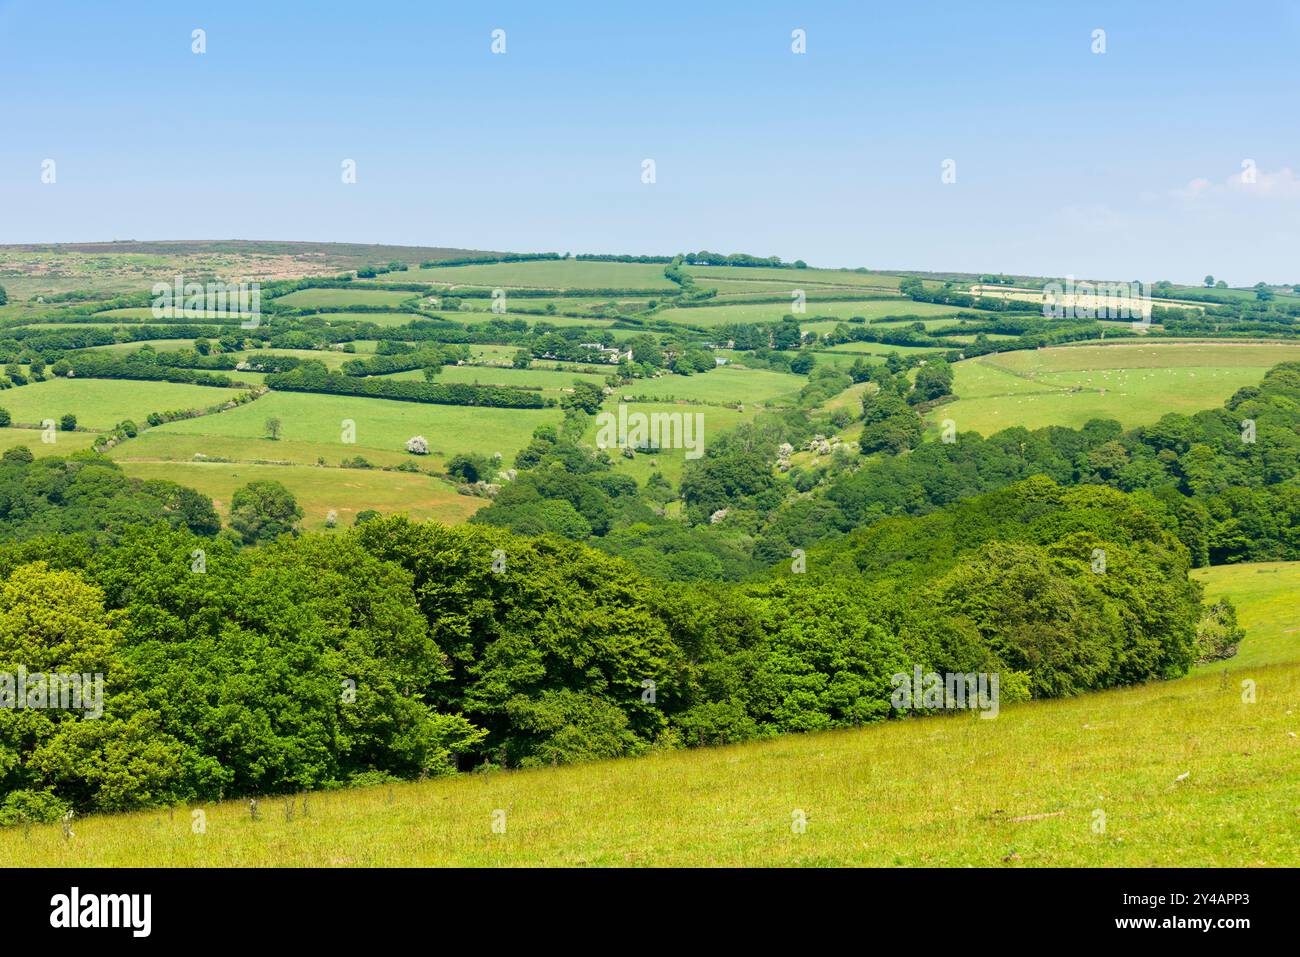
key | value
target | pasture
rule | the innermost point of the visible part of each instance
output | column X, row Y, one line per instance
column 546, row 274
column 1132, row 384
column 320, row 490
column 1265, row 595
column 380, row 425
column 721, row 386
column 102, row 403
column 342, row 298
column 708, row 317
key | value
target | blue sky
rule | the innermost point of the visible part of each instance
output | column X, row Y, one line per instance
column 1123, row 165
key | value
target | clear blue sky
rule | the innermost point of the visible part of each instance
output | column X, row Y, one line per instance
column 1124, row 165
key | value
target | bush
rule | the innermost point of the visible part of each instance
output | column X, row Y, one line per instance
column 5, row 419
column 31, row 807
column 68, row 423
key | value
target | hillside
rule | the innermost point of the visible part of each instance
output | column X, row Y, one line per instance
column 1023, row 790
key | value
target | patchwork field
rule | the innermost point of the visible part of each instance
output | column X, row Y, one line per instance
column 546, row 379
column 381, row 425
column 710, row 316
column 546, row 274
column 102, row 403
column 342, row 298
column 1183, row 773
column 320, row 490
column 1132, row 384
column 794, row 278
column 721, row 386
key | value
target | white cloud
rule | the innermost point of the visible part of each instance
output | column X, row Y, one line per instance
column 1280, row 185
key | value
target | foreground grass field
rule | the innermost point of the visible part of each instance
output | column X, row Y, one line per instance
column 1089, row 781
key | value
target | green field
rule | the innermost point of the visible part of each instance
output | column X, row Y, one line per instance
column 342, row 298
column 722, row 386
column 793, row 278
column 1023, row 790
column 479, row 316
column 320, row 490
column 1133, row 384
column 496, row 375
column 546, row 274
column 1267, row 596
column 102, row 403
column 158, row 345
column 381, row 425
column 65, row 443
column 710, row 316
column 382, row 319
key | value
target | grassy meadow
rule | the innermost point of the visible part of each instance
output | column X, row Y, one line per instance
column 1133, row 384
column 342, row 298
column 102, row 403
column 320, row 490
column 546, row 274
column 711, row 316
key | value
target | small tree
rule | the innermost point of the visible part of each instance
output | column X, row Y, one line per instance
column 1209, row 281
column 273, row 429
column 5, row 418
column 68, row 423
column 262, row 511
column 417, row 445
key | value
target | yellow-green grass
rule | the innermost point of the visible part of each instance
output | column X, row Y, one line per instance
column 1023, row 790
column 721, row 386
column 1134, row 385
column 577, row 305
column 382, row 319
column 492, row 355
column 1267, row 597
column 1150, row 355
column 102, row 403
column 380, row 424
column 135, row 314
column 878, row 349
column 330, row 358
column 353, row 296
column 478, row 317
column 823, row 326
column 321, row 490
column 158, row 345
column 159, row 445
column 546, row 274
column 747, row 312
column 497, row 375
column 793, row 278
column 65, row 443
column 850, row 399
